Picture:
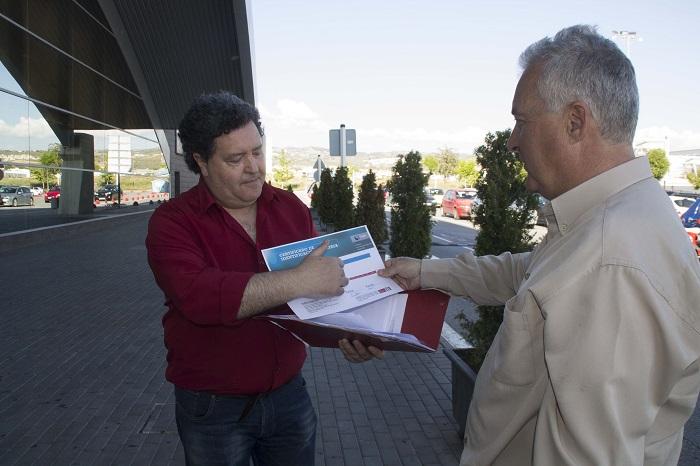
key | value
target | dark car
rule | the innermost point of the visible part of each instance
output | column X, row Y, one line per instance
column 52, row 193
column 691, row 217
column 431, row 203
column 107, row 192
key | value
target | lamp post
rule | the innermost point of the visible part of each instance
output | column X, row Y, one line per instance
column 627, row 36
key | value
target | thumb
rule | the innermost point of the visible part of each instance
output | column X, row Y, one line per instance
column 320, row 250
column 386, row 271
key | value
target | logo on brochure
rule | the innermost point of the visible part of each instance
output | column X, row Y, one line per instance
column 359, row 237
column 383, row 290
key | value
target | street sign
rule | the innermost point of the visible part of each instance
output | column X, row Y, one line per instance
column 350, row 142
column 318, row 167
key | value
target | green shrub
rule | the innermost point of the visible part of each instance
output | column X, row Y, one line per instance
column 410, row 217
column 343, row 195
column 326, row 198
column 370, row 208
column 505, row 217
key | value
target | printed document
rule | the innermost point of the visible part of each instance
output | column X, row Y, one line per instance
column 361, row 260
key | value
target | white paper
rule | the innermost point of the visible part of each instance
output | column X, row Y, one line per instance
column 358, row 252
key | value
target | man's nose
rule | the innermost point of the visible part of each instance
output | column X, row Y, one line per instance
column 251, row 164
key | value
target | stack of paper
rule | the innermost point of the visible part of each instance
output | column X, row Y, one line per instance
column 370, row 310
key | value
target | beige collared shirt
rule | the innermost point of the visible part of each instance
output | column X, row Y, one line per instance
column 597, row 359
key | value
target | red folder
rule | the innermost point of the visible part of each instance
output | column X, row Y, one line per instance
column 423, row 318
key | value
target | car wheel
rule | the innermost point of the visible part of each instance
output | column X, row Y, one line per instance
column 14, row 202
column 31, row 201
column 455, row 214
column 444, row 212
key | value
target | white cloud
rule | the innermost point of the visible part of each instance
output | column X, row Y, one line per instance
column 678, row 140
column 26, row 127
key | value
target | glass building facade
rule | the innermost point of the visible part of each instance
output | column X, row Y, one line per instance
column 71, row 118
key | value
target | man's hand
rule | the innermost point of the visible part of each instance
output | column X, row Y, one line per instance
column 321, row 276
column 404, row 270
column 357, row 352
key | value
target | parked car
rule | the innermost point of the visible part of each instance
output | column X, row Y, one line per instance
column 430, row 202
column 16, row 196
column 52, row 193
column 691, row 217
column 457, row 203
column 681, row 204
column 437, row 194
column 37, row 190
column 108, row 192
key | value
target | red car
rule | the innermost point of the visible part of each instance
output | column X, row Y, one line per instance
column 52, row 193
column 457, row 203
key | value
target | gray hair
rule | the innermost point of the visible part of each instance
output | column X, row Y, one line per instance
column 580, row 64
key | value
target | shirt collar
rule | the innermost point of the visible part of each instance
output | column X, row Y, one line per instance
column 206, row 199
column 572, row 204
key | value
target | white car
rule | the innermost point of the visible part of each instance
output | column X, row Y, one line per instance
column 681, row 204
column 37, row 191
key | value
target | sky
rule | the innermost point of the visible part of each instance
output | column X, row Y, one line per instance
column 425, row 75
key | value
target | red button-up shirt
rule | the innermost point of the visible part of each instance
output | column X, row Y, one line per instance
column 202, row 259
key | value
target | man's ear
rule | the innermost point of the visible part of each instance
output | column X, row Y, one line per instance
column 577, row 118
column 201, row 163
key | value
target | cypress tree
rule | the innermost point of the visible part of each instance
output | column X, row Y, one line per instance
column 343, row 195
column 370, row 210
column 505, row 218
column 410, row 217
column 326, row 198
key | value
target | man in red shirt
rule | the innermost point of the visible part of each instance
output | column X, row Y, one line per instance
column 237, row 379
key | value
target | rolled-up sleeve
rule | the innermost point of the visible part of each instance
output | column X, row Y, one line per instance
column 204, row 294
column 487, row 280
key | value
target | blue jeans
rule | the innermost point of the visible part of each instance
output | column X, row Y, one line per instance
column 280, row 429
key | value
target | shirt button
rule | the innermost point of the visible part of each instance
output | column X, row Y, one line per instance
column 527, row 275
column 564, row 227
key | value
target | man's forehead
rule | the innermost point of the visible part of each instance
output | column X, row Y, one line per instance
column 239, row 140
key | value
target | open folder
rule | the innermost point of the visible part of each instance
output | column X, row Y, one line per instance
column 417, row 323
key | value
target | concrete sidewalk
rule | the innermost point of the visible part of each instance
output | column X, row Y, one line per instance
column 82, row 364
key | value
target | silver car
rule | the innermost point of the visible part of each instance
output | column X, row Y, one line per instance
column 16, row 195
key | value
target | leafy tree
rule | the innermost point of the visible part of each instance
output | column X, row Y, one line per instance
column 467, row 172
column 370, row 208
column 342, row 192
column 431, row 163
column 659, row 163
column 447, row 162
column 107, row 178
column 410, row 217
column 504, row 218
column 283, row 173
column 694, row 178
column 50, row 157
column 326, row 197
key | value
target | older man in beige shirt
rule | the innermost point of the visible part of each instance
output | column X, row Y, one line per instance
column 597, row 359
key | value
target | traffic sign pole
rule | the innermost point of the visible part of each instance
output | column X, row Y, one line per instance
column 343, row 149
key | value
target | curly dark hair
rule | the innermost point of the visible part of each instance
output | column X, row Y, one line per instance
column 210, row 116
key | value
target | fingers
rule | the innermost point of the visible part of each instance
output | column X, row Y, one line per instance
column 319, row 251
column 357, row 352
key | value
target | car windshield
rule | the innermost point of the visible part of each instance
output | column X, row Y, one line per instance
column 464, row 195
column 8, row 190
